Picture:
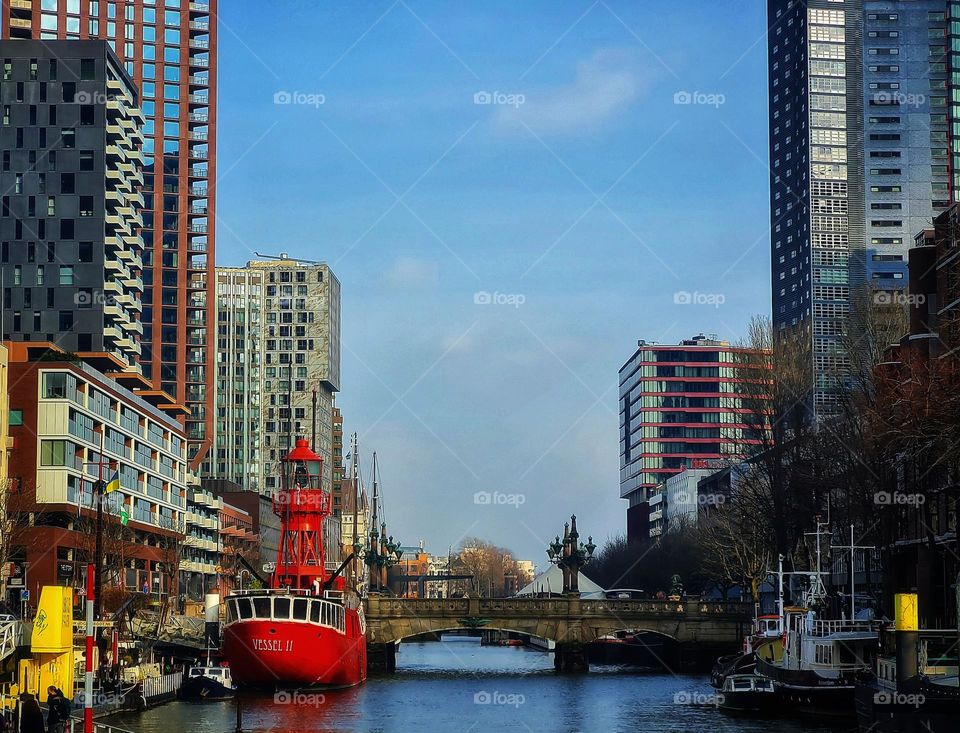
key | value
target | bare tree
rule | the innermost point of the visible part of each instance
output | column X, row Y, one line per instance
column 489, row 565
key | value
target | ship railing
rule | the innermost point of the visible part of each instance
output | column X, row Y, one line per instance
column 274, row 592
column 826, row 628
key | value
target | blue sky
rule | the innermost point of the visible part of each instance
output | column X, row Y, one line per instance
column 582, row 198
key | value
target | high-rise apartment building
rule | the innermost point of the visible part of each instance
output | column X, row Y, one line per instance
column 905, row 113
column 169, row 49
column 816, row 175
column 70, row 245
column 236, row 454
column 278, row 340
column 680, row 408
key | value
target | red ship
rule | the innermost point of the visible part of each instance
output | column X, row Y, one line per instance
column 307, row 629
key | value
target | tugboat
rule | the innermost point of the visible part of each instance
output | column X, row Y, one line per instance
column 207, row 683
column 822, row 659
column 749, row 693
column 766, row 640
column 307, row 629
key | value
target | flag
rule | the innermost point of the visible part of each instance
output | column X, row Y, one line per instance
column 113, row 484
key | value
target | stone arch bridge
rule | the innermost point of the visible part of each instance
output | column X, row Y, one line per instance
column 702, row 630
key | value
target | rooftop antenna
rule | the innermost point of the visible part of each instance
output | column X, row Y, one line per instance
column 284, row 257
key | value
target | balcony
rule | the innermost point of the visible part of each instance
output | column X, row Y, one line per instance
column 201, row 117
column 201, row 99
column 199, row 7
column 200, row 63
column 199, row 136
column 198, row 172
column 199, row 229
column 199, row 81
column 200, row 191
column 20, row 23
column 21, row 4
column 199, row 25
column 198, row 210
column 200, row 43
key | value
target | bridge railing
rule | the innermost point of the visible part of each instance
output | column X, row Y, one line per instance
column 385, row 605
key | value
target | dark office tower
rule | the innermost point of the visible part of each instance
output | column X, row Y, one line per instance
column 816, row 180
column 953, row 61
column 169, row 49
column 70, row 246
column 905, row 82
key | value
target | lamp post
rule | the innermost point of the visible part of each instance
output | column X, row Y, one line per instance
column 382, row 553
column 570, row 555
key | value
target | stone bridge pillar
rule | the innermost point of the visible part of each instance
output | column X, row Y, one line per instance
column 570, row 654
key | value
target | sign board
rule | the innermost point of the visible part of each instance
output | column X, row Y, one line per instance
column 269, row 567
column 17, row 575
column 24, row 595
column 124, row 517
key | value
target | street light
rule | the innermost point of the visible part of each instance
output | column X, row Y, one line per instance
column 570, row 555
column 382, row 553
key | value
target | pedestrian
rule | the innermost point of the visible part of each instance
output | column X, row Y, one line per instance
column 58, row 710
column 31, row 716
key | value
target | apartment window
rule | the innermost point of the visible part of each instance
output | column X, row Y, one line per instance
column 66, row 321
column 85, row 251
column 86, row 206
column 88, row 69
column 86, row 160
column 67, row 183
column 66, row 274
column 51, row 206
column 87, row 114
column 69, row 136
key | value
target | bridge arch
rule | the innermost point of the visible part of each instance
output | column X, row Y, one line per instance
column 490, row 627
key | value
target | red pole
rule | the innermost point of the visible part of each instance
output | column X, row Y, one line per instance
column 88, row 676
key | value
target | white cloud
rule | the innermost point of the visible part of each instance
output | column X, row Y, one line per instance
column 604, row 86
column 410, row 272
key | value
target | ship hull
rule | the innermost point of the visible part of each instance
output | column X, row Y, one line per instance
column 266, row 652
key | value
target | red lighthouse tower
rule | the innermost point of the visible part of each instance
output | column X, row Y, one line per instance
column 302, row 505
column 306, row 629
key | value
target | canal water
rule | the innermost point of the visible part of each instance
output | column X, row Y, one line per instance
column 458, row 686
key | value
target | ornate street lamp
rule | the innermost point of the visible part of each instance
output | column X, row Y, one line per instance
column 570, row 555
column 382, row 553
